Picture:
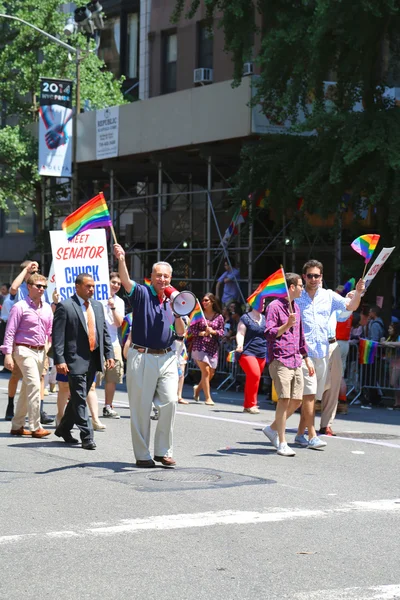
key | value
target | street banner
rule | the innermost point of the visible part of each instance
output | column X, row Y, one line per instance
column 379, row 262
column 85, row 253
column 55, row 128
column 107, row 124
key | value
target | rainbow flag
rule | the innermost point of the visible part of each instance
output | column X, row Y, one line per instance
column 274, row 285
column 184, row 355
column 91, row 215
column 196, row 316
column 348, row 287
column 261, row 199
column 365, row 245
column 230, row 357
column 147, row 281
column 300, row 204
column 126, row 328
column 367, row 351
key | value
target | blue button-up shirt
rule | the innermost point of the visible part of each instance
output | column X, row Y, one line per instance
column 315, row 314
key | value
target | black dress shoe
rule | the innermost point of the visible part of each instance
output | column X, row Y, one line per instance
column 45, row 419
column 145, row 464
column 89, row 445
column 67, row 437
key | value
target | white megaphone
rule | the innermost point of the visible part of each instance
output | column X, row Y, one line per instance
column 182, row 303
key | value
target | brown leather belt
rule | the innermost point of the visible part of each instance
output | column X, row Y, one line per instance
column 151, row 350
column 31, row 347
column 332, row 340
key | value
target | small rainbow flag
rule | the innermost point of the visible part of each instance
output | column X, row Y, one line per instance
column 274, row 285
column 196, row 316
column 300, row 204
column 88, row 216
column 367, row 351
column 348, row 286
column 365, row 245
column 230, row 357
column 126, row 328
column 147, row 281
column 184, row 355
column 261, row 199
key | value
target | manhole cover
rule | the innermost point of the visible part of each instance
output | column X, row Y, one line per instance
column 368, row 436
column 184, row 477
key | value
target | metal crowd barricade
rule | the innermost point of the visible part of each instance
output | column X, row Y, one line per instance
column 382, row 375
column 228, row 371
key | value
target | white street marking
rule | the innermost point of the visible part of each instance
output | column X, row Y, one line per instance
column 210, row 519
column 381, row 592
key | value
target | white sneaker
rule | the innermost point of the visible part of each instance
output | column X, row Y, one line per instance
column 316, row 443
column 272, row 436
column 285, row 450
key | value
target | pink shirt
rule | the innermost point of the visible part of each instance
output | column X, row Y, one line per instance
column 28, row 324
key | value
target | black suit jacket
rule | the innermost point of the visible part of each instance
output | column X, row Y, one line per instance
column 70, row 338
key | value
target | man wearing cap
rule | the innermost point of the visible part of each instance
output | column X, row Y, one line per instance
column 152, row 373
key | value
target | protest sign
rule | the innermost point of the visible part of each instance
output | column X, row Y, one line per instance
column 379, row 262
column 85, row 253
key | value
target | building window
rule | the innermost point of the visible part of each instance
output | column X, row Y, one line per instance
column 170, row 55
column 110, row 45
column 14, row 223
column 132, row 46
column 205, row 47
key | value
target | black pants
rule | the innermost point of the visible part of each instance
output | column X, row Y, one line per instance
column 76, row 412
column 3, row 326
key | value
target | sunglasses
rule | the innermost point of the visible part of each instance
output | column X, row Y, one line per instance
column 313, row 276
column 40, row 286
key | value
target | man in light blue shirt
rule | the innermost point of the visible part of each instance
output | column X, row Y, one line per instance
column 230, row 280
column 316, row 306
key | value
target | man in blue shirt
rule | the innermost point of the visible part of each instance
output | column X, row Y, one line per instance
column 316, row 306
column 151, row 368
column 230, row 280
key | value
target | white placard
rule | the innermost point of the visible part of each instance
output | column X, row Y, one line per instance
column 85, row 253
column 107, row 122
column 51, row 282
column 379, row 262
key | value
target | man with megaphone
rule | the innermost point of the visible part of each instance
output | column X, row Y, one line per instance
column 151, row 368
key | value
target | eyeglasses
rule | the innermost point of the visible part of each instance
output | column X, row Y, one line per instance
column 313, row 276
column 40, row 286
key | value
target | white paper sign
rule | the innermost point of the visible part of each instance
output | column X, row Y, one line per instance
column 51, row 282
column 379, row 262
column 107, row 120
column 85, row 253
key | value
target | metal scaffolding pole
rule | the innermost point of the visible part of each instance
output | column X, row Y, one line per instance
column 159, row 210
column 250, row 250
column 209, row 185
column 112, row 215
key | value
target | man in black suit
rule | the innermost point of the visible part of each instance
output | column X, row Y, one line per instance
column 80, row 341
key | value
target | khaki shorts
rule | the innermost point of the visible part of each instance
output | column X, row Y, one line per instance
column 288, row 382
column 116, row 374
column 315, row 385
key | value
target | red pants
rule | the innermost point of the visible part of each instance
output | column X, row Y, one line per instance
column 253, row 367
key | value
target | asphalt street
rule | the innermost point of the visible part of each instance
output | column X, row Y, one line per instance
column 232, row 521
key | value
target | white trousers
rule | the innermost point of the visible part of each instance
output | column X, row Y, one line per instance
column 31, row 364
column 152, row 378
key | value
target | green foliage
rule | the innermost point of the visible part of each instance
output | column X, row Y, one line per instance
column 354, row 125
column 25, row 56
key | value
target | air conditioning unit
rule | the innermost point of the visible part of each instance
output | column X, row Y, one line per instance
column 203, row 76
column 248, row 68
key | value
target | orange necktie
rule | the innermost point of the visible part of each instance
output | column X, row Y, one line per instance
column 90, row 326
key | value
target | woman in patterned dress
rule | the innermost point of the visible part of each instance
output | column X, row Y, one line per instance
column 206, row 336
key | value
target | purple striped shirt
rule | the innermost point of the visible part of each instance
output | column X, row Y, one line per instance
column 290, row 347
column 28, row 324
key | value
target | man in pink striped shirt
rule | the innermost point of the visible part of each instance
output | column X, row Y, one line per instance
column 27, row 334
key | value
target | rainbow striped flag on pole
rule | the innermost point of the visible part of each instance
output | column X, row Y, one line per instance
column 197, row 315
column 91, row 215
column 367, row 350
column 365, row 245
column 274, row 285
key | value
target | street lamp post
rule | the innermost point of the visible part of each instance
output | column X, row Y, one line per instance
column 76, row 52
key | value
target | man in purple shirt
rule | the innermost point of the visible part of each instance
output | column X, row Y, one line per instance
column 28, row 333
column 286, row 349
